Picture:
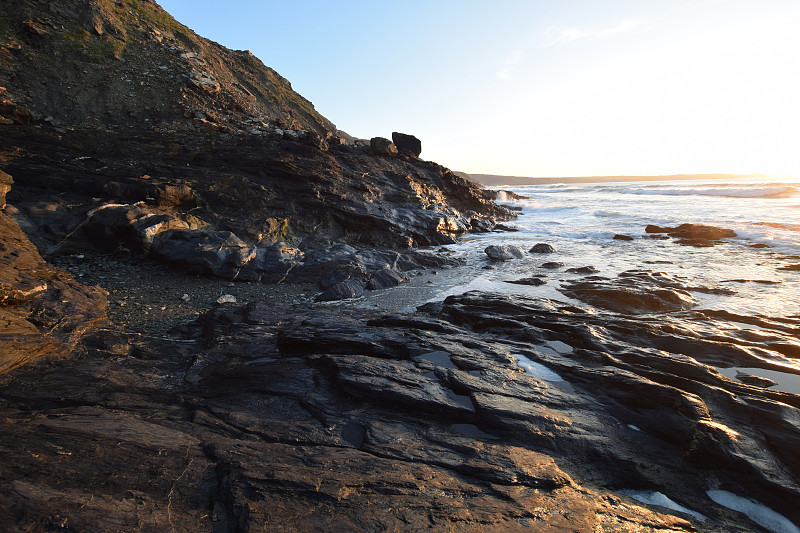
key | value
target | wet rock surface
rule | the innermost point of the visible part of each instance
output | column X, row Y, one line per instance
column 480, row 412
column 693, row 234
column 504, row 253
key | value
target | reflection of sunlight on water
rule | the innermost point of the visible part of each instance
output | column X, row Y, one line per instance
column 658, row 498
column 756, row 511
column 786, row 381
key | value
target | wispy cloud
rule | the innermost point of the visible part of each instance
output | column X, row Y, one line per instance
column 560, row 35
column 504, row 72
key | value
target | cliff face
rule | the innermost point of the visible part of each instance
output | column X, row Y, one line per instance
column 114, row 102
column 128, row 63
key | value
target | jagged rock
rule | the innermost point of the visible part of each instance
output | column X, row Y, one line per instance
column 552, row 265
column 271, row 264
column 204, row 81
column 504, row 253
column 314, row 139
column 407, row 144
column 135, row 227
column 218, row 253
column 480, row 225
column 171, row 195
column 382, row 146
column 542, row 248
column 343, row 290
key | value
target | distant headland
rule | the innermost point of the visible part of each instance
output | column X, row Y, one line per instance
column 493, row 180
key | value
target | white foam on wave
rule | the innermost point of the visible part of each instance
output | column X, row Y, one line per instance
column 756, row 511
column 660, row 499
column 781, row 239
column 733, row 192
column 536, row 370
column 608, row 214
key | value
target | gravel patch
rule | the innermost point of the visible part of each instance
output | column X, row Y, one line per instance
column 150, row 297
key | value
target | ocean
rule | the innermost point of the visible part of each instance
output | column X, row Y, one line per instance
column 747, row 286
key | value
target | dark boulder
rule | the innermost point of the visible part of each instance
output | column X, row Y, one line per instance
column 693, row 231
column 218, row 253
column 407, row 144
column 382, row 146
column 533, row 282
column 504, row 227
column 344, row 290
column 481, row 225
column 314, row 139
column 552, row 265
column 583, row 270
column 619, row 237
column 542, row 248
column 503, row 253
column 384, row 279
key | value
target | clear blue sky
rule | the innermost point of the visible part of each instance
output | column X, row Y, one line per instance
column 541, row 87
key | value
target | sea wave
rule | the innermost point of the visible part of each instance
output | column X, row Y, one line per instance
column 777, row 191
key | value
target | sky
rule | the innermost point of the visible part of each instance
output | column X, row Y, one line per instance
column 541, row 87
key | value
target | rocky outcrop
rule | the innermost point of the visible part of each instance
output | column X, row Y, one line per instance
column 5, row 186
column 407, row 144
column 43, row 311
column 693, row 234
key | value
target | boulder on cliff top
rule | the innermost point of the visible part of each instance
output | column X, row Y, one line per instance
column 382, row 146
column 407, row 144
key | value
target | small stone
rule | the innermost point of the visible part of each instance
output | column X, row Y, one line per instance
column 226, row 299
